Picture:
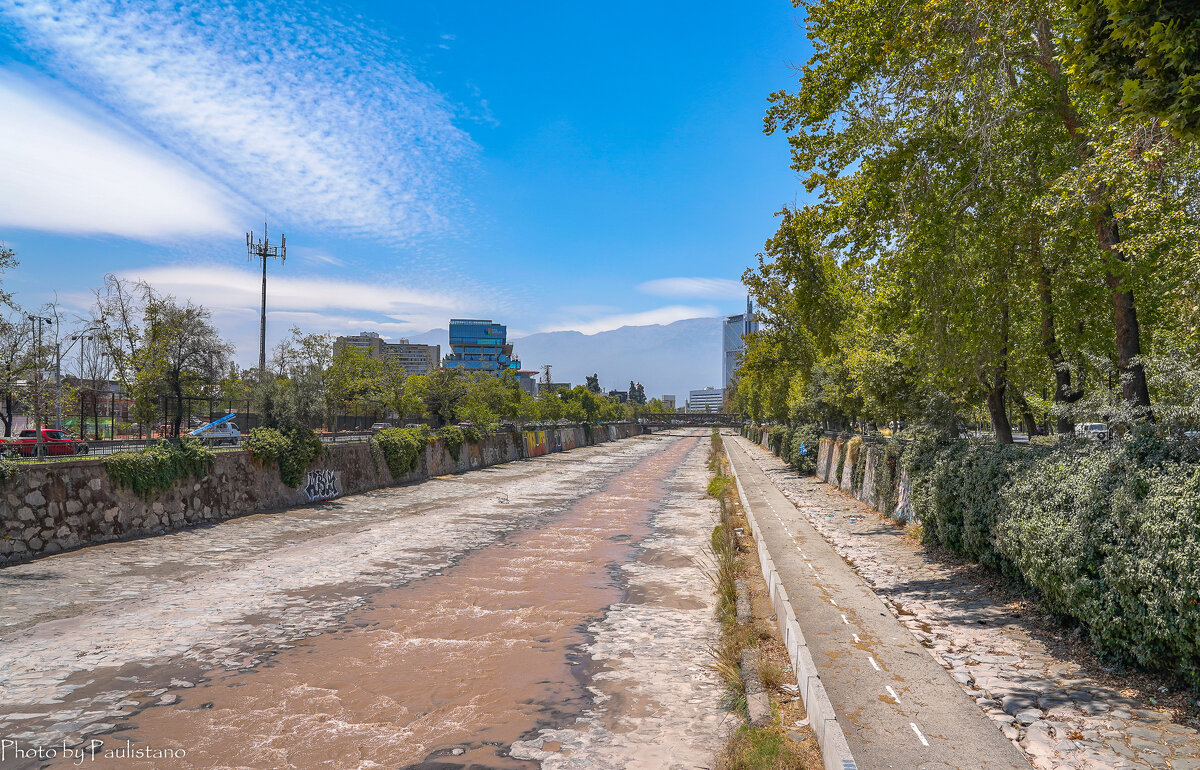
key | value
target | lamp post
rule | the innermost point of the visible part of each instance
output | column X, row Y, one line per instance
column 38, row 322
column 59, row 353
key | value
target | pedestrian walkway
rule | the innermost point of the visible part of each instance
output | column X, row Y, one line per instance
column 1061, row 707
column 897, row 707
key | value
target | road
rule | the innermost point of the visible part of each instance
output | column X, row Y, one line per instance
column 896, row 705
column 551, row 612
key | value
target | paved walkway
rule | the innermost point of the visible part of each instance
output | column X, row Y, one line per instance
column 1023, row 678
column 897, row 706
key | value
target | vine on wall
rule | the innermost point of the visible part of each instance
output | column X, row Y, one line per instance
column 159, row 466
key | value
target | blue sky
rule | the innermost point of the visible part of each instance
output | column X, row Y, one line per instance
column 549, row 165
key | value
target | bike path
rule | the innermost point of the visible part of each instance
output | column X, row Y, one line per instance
column 897, row 707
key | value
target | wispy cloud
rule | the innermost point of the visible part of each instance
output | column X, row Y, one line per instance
column 326, row 303
column 662, row 315
column 310, row 115
column 715, row 288
column 66, row 171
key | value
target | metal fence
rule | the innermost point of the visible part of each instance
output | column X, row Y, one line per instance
column 92, row 449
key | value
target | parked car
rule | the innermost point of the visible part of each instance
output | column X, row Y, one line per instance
column 225, row 433
column 1096, row 431
column 55, row 442
column 380, row 426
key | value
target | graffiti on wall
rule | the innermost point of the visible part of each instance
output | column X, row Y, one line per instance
column 321, row 485
column 535, row 443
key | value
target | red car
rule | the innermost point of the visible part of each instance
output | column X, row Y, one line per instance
column 55, row 442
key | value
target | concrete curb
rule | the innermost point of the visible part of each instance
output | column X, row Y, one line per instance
column 821, row 718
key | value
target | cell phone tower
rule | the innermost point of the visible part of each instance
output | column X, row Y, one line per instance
column 264, row 250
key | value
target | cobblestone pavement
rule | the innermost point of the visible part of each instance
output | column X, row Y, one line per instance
column 1041, row 700
column 92, row 638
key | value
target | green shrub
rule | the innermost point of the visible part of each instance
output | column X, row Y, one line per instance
column 401, row 448
column 860, row 467
column 160, row 465
column 808, row 438
column 454, row 438
column 777, row 440
column 9, row 471
column 887, row 477
column 1111, row 536
column 957, row 487
column 292, row 451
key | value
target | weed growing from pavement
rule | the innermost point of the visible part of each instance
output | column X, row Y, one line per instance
column 748, row 748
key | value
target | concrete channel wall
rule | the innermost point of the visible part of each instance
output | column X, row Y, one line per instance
column 844, row 453
column 57, row 506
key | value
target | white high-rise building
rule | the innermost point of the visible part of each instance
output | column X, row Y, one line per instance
column 709, row 399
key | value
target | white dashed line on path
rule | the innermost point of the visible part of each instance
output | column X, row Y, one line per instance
column 874, row 665
column 892, row 693
column 913, row 725
column 847, row 622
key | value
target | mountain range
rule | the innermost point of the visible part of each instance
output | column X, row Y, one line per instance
column 666, row 358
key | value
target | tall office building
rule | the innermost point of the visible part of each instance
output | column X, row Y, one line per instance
column 480, row 346
column 733, row 343
column 709, row 399
column 415, row 358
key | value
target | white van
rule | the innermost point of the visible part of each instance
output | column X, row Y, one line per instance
column 225, row 433
column 1096, row 431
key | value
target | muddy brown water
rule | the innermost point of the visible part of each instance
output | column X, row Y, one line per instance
column 447, row 672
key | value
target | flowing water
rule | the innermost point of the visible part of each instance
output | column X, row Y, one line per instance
column 575, row 637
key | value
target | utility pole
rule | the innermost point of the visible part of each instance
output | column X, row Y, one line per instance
column 264, row 250
column 38, row 322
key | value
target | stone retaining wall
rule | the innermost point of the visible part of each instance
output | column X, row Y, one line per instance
column 829, row 455
column 62, row 505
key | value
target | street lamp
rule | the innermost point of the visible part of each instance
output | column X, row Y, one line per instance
column 59, row 353
column 38, row 322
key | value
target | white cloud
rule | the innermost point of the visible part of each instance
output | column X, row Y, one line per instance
column 662, row 315
column 715, row 288
column 65, row 171
column 307, row 113
column 314, row 303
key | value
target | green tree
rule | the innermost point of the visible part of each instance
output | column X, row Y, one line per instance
column 444, row 391
column 1142, row 57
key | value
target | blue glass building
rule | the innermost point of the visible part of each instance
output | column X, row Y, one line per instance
column 480, row 346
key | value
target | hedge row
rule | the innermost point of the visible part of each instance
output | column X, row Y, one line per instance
column 797, row 445
column 1109, row 535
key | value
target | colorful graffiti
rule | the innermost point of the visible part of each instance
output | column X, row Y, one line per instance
column 535, row 443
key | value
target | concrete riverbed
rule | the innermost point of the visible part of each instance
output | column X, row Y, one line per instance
column 552, row 612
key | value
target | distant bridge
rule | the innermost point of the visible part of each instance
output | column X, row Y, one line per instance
column 691, row 420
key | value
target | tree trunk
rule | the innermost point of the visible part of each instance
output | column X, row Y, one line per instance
column 1064, row 392
column 7, row 416
column 999, row 413
column 999, row 381
column 1028, row 421
column 1133, row 377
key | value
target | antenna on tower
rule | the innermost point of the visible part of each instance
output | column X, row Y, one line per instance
column 263, row 249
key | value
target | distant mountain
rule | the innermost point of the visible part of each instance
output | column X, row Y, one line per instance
column 675, row 358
